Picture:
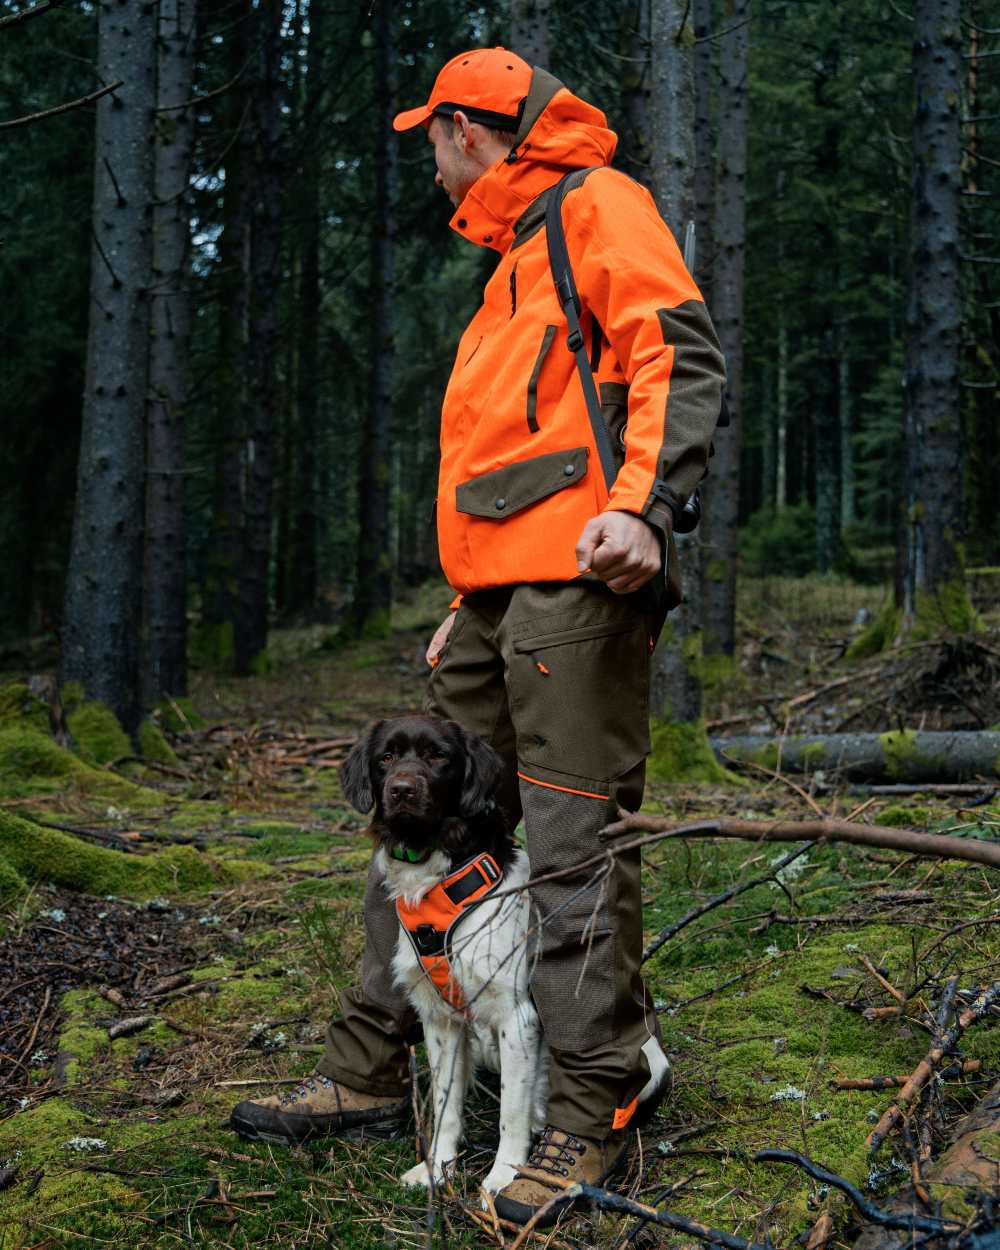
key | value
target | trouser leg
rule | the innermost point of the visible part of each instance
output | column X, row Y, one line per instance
column 577, row 678
column 366, row 1043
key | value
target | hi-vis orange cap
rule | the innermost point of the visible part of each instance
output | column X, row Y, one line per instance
column 489, row 85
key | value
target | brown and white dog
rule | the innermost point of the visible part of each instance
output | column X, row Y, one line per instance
column 463, row 956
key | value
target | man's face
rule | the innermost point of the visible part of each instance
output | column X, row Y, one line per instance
column 456, row 171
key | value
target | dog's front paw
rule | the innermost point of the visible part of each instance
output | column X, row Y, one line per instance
column 501, row 1175
column 420, row 1176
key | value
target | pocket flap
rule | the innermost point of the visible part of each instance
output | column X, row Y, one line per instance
column 498, row 494
column 578, row 633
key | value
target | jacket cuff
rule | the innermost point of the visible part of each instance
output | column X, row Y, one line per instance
column 659, row 515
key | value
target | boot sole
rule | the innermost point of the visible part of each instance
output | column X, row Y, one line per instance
column 383, row 1130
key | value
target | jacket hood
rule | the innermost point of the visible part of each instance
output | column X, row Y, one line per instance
column 558, row 132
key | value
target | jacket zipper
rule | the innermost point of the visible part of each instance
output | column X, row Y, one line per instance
column 513, row 289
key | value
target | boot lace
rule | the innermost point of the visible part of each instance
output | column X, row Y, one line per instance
column 554, row 1157
column 305, row 1089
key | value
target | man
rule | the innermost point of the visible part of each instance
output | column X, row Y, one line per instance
column 560, row 582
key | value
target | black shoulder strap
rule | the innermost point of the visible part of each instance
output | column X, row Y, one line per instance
column 562, row 276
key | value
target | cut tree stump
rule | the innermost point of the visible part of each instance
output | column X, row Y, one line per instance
column 968, row 1168
column 898, row 756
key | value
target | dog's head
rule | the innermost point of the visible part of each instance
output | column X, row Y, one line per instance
column 421, row 774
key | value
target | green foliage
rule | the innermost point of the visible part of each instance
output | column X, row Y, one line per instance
column 177, row 716
column 19, row 706
column 945, row 610
column 98, row 736
column 212, row 646
column 899, row 817
column 783, row 541
column 11, row 882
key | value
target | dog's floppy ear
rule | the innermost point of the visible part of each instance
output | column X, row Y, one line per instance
column 482, row 772
column 355, row 772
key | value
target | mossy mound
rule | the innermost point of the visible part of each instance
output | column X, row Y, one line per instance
column 153, row 745
column 881, row 633
column 32, row 763
column 41, row 854
column 19, row 706
column 177, row 716
column 681, row 752
column 898, row 817
column 98, row 736
column 11, row 881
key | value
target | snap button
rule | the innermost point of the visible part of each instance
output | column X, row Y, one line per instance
column 488, row 238
column 462, row 223
column 501, row 504
column 569, row 470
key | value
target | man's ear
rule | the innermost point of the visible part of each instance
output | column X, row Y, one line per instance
column 355, row 772
column 482, row 772
column 461, row 131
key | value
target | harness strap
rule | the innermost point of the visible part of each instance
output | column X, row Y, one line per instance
column 429, row 923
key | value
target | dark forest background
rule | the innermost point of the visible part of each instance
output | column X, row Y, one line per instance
column 272, row 297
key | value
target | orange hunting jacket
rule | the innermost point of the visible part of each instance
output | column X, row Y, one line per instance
column 520, row 474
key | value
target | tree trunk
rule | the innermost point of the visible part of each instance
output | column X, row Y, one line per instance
column 529, row 31
column 675, row 681
column 932, row 584
column 900, row 755
column 723, row 492
column 220, row 595
column 373, row 584
column 704, row 150
column 103, row 604
column 250, row 639
column 633, row 152
column 303, row 575
column 165, row 668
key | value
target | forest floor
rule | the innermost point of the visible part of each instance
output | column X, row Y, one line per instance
column 763, row 1002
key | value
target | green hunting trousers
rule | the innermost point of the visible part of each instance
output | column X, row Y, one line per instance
column 555, row 677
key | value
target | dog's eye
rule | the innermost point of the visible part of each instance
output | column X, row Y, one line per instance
column 388, row 757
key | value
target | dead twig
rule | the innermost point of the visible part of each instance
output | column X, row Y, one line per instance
column 897, row 1082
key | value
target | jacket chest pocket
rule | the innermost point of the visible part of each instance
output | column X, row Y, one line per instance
column 532, row 407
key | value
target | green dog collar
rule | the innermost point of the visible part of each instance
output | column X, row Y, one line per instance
column 407, row 855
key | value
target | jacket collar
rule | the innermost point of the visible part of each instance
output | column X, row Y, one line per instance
column 558, row 132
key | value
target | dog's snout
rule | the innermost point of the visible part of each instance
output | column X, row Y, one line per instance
column 402, row 788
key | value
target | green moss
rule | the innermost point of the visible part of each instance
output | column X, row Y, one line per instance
column 716, row 671
column 881, row 633
column 947, row 609
column 260, row 665
column 813, row 756
column 99, row 737
column 18, row 706
column 681, row 753
column 72, row 695
column 212, row 646
column 41, row 854
column 11, row 881
column 153, row 745
column 177, row 716
column 899, row 817
column 32, row 763
column 903, row 760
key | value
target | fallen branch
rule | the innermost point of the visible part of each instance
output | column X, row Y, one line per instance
column 939, row 846
column 899, row 756
column 924, row 1070
column 666, row 934
column 897, row 1082
column 62, row 108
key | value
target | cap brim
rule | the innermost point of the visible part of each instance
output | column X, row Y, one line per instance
column 412, row 118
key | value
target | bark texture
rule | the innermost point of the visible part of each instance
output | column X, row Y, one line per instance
column 675, row 680
column 529, row 30
column 373, row 579
column 723, row 487
column 103, row 601
column 165, row 667
column 903, row 755
column 934, row 466
column 704, row 149
column 250, row 639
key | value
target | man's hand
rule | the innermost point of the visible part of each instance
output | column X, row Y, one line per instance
column 621, row 549
column 440, row 638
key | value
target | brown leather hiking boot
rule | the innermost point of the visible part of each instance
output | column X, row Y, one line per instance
column 567, row 1158
column 319, row 1108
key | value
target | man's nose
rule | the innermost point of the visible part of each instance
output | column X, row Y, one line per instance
column 438, row 180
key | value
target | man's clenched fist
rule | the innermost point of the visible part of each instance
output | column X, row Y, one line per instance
column 621, row 549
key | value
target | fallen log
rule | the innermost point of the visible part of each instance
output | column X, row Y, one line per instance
column 937, row 845
column 903, row 755
column 965, row 1171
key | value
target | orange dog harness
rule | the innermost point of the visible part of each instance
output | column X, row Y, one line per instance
column 431, row 924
